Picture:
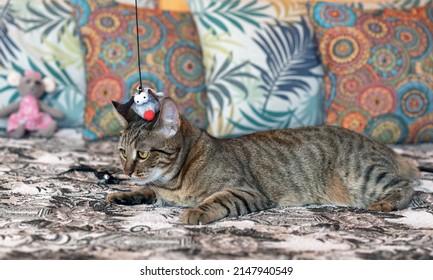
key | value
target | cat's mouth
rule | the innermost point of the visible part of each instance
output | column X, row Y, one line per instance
column 143, row 178
column 140, row 176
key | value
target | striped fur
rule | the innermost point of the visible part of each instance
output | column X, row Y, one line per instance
column 217, row 178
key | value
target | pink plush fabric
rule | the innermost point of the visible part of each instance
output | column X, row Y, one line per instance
column 34, row 74
column 29, row 114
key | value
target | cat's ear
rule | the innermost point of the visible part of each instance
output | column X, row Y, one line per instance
column 168, row 122
column 122, row 112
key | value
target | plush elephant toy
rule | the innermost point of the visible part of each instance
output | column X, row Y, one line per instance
column 30, row 113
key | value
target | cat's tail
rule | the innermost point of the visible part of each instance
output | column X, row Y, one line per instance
column 407, row 169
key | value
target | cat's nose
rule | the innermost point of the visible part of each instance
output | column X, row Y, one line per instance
column 129, row 168
column 128, row 171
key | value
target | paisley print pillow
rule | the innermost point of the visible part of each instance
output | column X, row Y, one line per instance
column 170, row 53
column 379, row 70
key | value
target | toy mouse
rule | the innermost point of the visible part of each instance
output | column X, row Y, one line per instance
column 146, row 103
column 29, row 113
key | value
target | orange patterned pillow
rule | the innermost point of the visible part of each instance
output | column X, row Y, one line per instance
column 171, row 61
column 379, row 70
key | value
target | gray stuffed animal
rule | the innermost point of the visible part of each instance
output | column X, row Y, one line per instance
column 146, row 103
column 29, row 113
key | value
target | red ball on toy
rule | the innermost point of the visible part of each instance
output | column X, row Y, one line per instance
column 149, row 115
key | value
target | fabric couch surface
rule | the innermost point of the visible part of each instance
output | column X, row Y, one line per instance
column 48, row 211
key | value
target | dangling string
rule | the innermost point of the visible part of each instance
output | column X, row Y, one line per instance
column 140, row 87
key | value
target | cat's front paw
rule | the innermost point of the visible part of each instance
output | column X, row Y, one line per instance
column 196, row 217
column 131, row 198
column 119, row 198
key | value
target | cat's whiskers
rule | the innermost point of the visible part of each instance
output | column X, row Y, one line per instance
column 144, row 178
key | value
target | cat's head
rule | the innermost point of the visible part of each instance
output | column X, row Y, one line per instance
column 149, row 151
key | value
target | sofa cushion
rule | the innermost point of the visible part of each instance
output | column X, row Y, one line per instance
column 171, row 61
column 379, row 70
column 262, row 68
column 42, row 36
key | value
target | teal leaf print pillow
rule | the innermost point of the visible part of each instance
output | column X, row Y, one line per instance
column 42, row 36
column 263, row 71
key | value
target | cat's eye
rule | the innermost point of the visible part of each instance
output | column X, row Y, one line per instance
column 122, row 153
column 143, row 154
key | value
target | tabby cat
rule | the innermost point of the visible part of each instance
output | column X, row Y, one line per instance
column 181, row 165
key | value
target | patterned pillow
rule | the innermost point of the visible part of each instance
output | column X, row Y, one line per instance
column 42, row 36
column 262, row 68
column 379, row 70
column 171, row 61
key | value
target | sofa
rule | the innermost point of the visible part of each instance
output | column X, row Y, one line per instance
column 233, row 67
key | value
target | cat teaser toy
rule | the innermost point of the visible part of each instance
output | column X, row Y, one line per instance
column 146, row 103
column 146, row 100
